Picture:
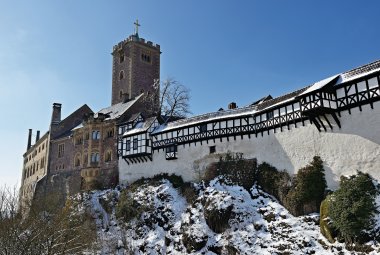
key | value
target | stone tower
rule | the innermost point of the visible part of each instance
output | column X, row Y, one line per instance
column 136, row 66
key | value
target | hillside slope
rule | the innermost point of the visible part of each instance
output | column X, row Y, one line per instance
column 223, row 219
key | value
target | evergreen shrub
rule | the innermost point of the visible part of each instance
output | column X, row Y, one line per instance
column 308, row 189
column 274, row 182
column 238, row 170
column 175, row 180
column 325, row 224
column 127, row 208
column 353, row 206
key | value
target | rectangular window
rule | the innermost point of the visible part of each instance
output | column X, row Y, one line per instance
column 85, row 159
column 146, row 56
column 135, row 143
column 110, row 133
column 362, row 86
column 108, row 156
column 42, row 162
column 128, row 145
column 95, row 157
column 171, row 152
column 269, row 115
column 95, row 135
column 78, row 140
column 203, row 128
column 61, row 150
column 171, row 148
column 212, row 149
column 372, row 82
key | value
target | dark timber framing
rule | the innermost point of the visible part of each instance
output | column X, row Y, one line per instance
column 321, row 107
column 314, row 106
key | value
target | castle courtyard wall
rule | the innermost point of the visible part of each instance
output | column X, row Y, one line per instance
column 353, row 147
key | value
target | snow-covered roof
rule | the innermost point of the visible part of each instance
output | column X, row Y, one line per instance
column 266, row 103
column 262, row 100
column 116, row 110
column 346, row 76
column 78, row 127
column 140, row 127
column 320, row 84
column 220, row 115
column 207, row 117
column 134, row 117
column 359, row 72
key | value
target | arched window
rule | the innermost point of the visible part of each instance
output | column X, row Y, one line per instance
column 85, row 159
column 121, row 75
column 108, row 156
column 77, row 160
column 110, row 132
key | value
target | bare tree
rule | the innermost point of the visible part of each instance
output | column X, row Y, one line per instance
column 170, row 99
column 46, row 229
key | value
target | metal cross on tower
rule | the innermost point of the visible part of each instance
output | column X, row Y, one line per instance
column 137, row 27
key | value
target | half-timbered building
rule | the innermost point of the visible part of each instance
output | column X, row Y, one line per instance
column 337, row 118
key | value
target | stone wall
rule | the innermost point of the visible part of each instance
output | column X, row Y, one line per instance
column 139, row 75
column 60, row 185
column 64, row 162
column 34, row 168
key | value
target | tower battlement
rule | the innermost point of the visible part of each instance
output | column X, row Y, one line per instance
column 134, row 38
column 136, row 66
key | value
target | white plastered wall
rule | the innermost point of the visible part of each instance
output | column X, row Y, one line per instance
column 355, row 146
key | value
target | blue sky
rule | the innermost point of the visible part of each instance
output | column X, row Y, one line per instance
column 224, row 51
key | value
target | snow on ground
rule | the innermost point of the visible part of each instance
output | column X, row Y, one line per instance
column 249, row 223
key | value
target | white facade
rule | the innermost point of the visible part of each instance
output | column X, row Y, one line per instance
column 356, row 146
column 339, row 121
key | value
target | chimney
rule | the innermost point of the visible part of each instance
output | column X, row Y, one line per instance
column 38, row 135
column 56, row 116
column 232, row 105
column 29, row 139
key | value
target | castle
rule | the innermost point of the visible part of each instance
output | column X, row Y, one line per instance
column 337, row 118
column 80, row 151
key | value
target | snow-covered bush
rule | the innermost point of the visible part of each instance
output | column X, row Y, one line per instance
column 127, row 208
column 218, row 211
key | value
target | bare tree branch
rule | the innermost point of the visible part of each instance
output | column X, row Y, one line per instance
column 170, row 99
column 46, row 229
